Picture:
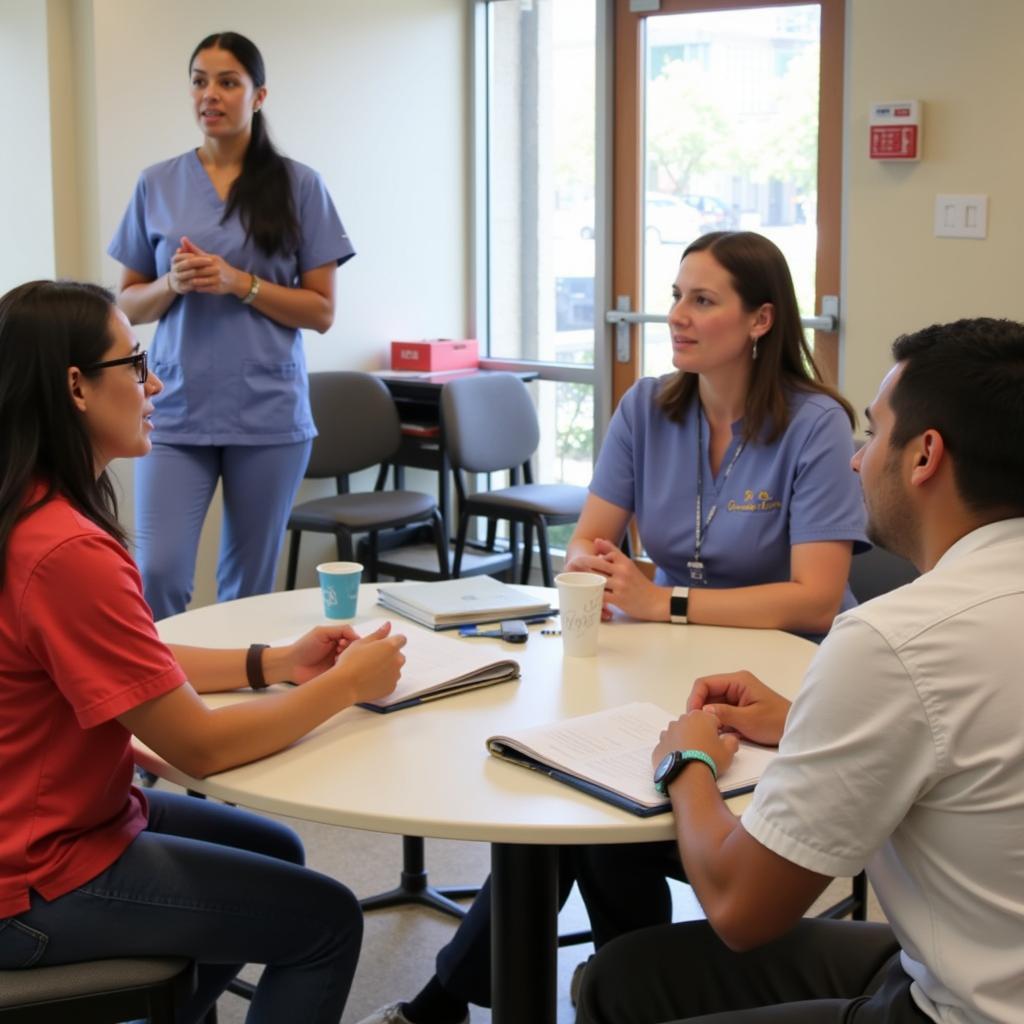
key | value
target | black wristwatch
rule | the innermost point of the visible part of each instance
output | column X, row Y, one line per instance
column 678, row 604
column 674, row 762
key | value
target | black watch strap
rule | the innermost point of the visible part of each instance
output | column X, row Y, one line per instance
column 678, row 605
column 254, row 666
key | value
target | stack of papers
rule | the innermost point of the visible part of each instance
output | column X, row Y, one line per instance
column 436, row 666
column 608, row 755
column 448, row 604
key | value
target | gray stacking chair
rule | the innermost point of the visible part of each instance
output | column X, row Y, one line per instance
column 490, row 424
column 97, row 992
column 359, row 428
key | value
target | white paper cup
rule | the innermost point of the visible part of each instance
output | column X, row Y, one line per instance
column 579, row 606
column 339, row 586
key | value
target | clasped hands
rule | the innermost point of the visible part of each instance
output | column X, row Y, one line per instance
column 720, row 710
column 626, row 587
column 195, row 270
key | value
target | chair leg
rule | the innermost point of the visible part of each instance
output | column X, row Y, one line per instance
column 371, row 557
column 460, row 543
column 513, row 548
column 440, row 542
column 343, row 540
column 293, row 560
column 524, row 576
column 492, row 533
column 545, row 554
column 860, row 896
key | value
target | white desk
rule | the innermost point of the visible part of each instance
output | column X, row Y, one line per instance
column 425, row 771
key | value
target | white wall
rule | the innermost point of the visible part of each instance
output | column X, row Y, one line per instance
column 963, row 60
column 26, row 199
column 371, row 94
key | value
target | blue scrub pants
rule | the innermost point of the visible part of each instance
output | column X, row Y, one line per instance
column 174, row 485
column 217, row 885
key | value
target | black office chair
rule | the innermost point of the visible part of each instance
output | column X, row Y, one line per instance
column 359, row 428
column 490, row 424
column 878, row 571
column 97, row 992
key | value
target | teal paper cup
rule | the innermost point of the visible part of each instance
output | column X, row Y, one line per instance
column 339, row 587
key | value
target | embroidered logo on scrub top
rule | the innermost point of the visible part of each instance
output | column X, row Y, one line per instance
column 763, row 502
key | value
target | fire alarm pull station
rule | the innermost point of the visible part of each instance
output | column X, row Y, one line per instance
column 896, row 131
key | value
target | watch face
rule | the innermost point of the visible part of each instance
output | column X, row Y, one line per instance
column 664, row 766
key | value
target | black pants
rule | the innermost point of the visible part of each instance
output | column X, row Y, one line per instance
column 623, row 888
column 823, row 972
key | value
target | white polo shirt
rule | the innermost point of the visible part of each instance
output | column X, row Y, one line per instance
column 904, row 753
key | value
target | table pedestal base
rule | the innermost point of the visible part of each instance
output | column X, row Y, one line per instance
column 414, row 888
column 524, row 933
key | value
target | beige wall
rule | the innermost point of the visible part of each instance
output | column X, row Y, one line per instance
column 372, row 95
column 962, row 58
column 26, row 207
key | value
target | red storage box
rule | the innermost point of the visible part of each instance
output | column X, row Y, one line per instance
column 434, row 354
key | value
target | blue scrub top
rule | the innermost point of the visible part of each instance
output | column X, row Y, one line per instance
column 231, row 375
column 796, row 490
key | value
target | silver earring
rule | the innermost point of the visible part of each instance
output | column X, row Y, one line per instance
column 753, row 351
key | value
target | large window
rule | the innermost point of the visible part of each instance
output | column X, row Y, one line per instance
column 540, row 258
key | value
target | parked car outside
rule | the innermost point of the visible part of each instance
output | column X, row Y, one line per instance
column 667, row 219
column 718, row 215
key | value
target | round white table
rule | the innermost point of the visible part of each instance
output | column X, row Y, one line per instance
column 425, row 771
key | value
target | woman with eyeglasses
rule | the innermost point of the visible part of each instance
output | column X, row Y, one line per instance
column 90, row 867
column 232, row 248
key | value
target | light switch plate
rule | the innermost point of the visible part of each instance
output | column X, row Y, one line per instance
column 958, row 216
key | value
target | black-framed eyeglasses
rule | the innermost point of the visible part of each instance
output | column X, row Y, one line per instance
column 138, row 361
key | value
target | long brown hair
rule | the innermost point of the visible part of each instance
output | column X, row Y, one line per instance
column 784, row 362
column 45, row 327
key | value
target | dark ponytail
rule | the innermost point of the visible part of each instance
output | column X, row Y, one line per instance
column 262, row 193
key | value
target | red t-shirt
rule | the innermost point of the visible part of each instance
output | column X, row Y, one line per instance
column 77, row 648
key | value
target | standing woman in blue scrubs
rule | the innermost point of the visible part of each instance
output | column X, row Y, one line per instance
column 233, row 249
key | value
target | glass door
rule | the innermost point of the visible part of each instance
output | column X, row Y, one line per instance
column 728, row 116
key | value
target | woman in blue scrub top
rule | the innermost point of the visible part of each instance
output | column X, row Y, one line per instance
column 747, row 424
column 736, row 466
column 232, row 248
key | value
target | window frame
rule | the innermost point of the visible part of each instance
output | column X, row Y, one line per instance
column 599, row 375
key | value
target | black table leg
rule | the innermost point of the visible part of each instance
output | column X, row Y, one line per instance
column 524, row 933
column 413, row 886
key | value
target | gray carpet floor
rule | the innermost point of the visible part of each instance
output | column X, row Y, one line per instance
column 399, row 945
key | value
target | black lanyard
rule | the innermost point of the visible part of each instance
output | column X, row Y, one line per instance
column 696, row 566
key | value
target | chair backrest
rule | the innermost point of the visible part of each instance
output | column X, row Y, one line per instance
column 490, row 422
column 877, row 572
column 357, row 420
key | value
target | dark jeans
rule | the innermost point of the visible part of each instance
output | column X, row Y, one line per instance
column 823, row 972
column 220, row 886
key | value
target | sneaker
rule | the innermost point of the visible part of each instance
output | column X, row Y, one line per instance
column 392, row 1014
column 577, row 980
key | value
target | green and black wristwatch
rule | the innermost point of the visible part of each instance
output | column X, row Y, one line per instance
column 674, row 762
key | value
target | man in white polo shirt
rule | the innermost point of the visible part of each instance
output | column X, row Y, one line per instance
column 903, row 753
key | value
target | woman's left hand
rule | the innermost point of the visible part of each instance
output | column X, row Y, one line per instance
column 218, row 277
column 627, row 587
column 316, row 651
